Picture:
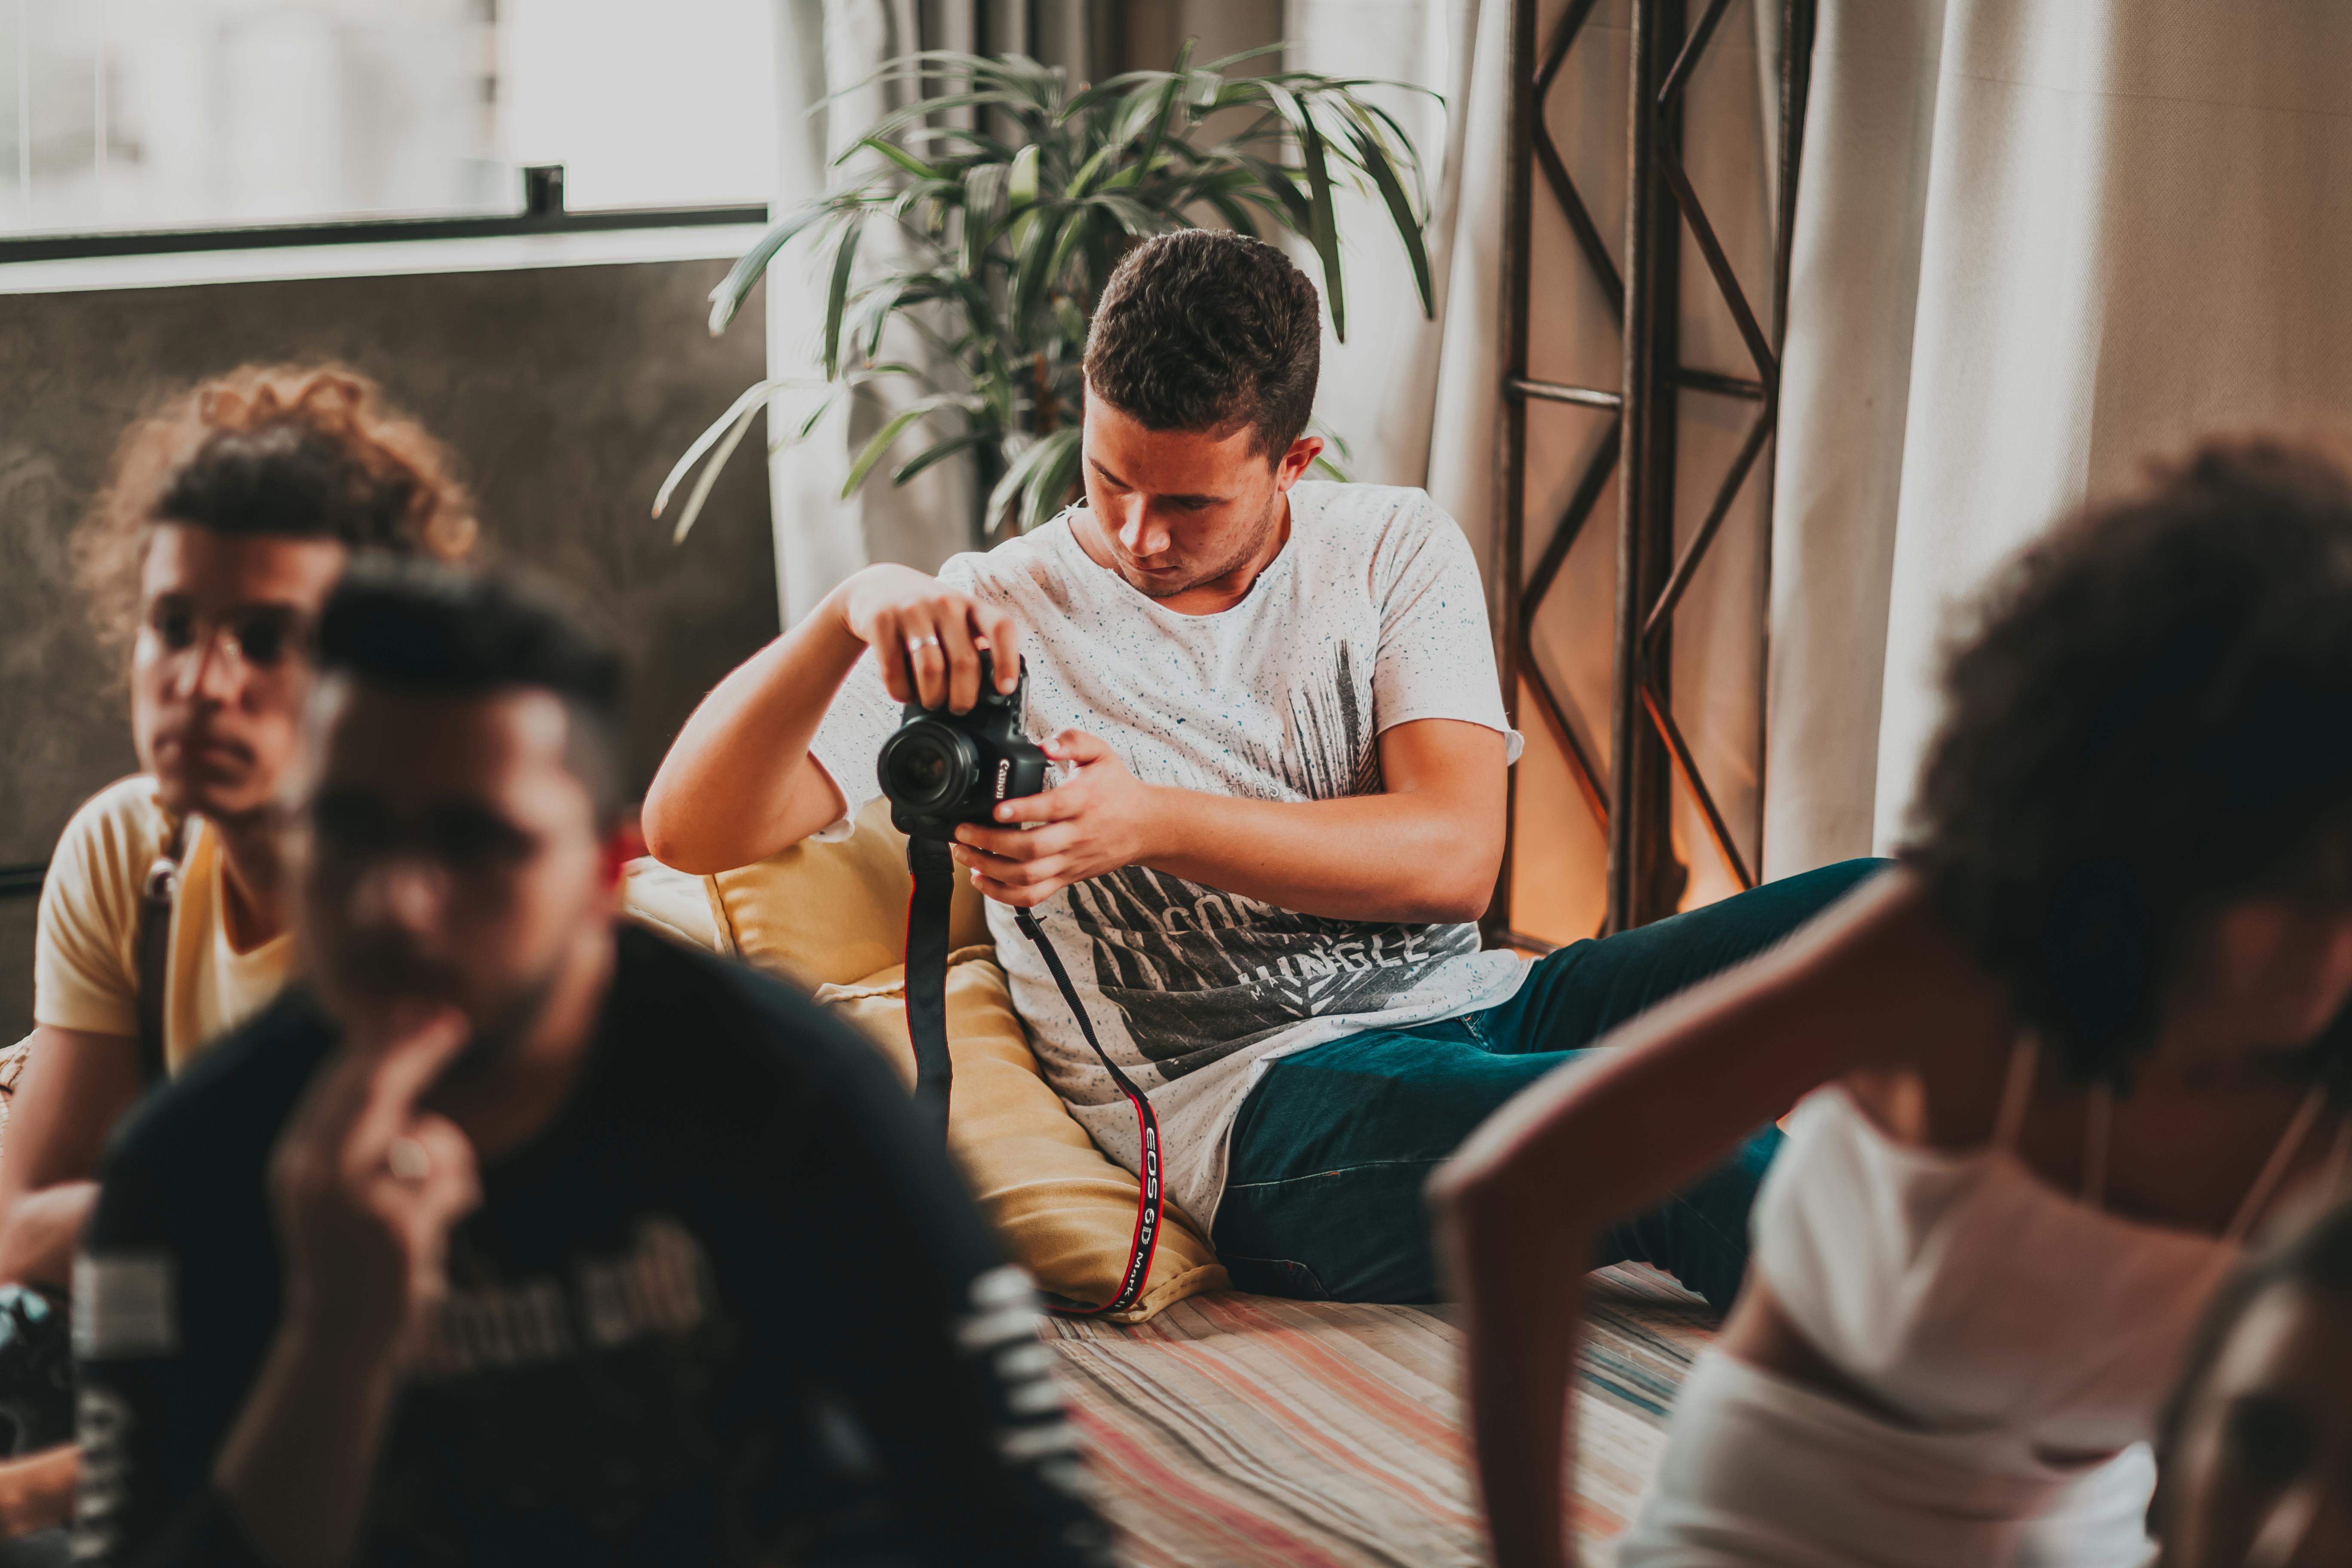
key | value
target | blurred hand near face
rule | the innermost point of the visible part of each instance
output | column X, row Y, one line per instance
column 366, row 1184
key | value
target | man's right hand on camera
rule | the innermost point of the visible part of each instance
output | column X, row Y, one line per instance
column 739, row 784
column 927, row 636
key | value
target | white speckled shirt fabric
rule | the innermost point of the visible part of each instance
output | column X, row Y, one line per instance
column 1371, row 616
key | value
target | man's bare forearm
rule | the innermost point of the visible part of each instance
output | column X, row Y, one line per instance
column 1424, row 849
column 41, row 1229
column 1411, row 857
column 296, row 1468
column 36, row 1491
column 737, row 785
column 77, row 1084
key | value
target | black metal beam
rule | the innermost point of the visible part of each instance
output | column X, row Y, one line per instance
column 1506, row 566
column 1572, row 519
column 1650, row 753
column 1645, row 881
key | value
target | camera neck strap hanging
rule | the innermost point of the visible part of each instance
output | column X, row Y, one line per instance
column 927, row 975
column 927, row 1026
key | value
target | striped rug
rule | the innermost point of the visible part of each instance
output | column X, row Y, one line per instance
column 1239, row 1431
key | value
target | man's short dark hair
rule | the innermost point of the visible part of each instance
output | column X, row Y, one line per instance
column 421, row 627
column 1206, row 330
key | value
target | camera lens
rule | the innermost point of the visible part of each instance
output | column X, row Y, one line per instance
column 927, row 765
column 923, row 769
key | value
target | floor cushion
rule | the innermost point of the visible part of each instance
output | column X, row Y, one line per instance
column 833, row 916
column 833, row 913
column 1065, row 1211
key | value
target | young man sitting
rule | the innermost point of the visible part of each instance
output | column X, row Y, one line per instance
column 512, row 1236
column 1283, row 746
column 229, row 517
column 229, row 514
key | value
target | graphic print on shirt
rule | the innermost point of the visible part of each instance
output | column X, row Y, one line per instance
column 1329, row 750
column 1198, row 973
column 663, row 1285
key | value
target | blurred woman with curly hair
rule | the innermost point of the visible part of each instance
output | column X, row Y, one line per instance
column 2054, row 1066
column 230, row 511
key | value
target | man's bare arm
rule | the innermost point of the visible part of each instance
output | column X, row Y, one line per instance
column 738, row 784
column 1666, row 1095
column 76, row 1085
column 1426, row 848
column 366, row 1250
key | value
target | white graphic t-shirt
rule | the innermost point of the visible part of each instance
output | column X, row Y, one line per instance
column 1371, row 616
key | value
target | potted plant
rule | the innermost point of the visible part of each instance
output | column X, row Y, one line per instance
column 1012, row 226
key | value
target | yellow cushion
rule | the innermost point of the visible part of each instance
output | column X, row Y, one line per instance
column 831, row 914
column 833, row 917
column 1065, row 1211
column 671, row 902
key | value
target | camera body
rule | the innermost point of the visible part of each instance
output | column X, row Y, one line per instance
column 942, row 768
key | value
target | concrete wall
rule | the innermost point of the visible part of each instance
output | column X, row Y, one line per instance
column 566, row 392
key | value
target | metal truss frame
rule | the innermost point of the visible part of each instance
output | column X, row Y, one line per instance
column 1633, row 800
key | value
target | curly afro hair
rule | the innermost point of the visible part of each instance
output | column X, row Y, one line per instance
column 300, row 451
column 2148, row 715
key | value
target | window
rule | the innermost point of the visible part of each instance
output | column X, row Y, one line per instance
column 145, row 115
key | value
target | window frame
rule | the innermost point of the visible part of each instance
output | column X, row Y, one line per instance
column 367, row 231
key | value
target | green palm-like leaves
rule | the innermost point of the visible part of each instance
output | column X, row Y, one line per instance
column 1011, row 227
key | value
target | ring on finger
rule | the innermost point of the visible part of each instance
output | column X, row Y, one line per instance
column 917, row 644
column 407, row 1161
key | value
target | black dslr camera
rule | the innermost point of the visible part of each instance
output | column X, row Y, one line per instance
column 943, row 768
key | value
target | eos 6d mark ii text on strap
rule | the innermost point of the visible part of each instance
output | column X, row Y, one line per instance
column 941, row 769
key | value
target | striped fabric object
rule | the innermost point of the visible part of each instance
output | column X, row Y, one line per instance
column 1236, row 1430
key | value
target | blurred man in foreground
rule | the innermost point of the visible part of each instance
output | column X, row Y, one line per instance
column 516, row 1237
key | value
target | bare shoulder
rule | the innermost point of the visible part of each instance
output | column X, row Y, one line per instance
column 1876, row 983
column 1938, row 1082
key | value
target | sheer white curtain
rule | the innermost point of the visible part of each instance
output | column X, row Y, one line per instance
column 824, row 49
column 1380, row 387
column 2038, row 242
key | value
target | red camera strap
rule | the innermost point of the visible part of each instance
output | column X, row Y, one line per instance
column 927, row 1027
column 1149, row 1199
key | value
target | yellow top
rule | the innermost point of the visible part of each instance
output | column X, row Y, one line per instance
column 85, row 954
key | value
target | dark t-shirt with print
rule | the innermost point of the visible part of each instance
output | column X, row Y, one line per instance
column 733, row 1306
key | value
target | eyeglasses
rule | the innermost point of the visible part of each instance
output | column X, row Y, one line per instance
column 261, row 637
column 351, row 828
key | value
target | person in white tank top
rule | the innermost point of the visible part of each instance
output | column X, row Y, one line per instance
column 2053, row 1067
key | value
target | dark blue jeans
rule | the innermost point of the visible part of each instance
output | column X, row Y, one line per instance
column 1331, row 1150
